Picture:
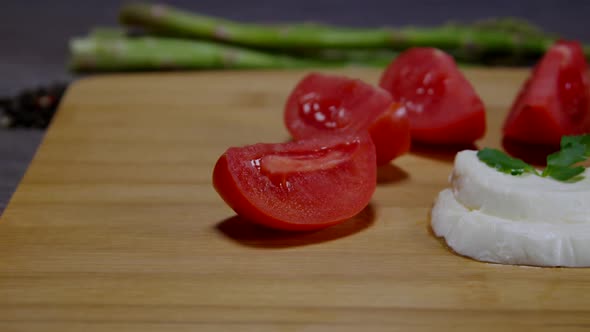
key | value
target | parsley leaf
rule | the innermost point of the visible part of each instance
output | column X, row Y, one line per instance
column 504, row 163
column 582, row 139
column 560, row 162
column 560, row 165
column 566, row 174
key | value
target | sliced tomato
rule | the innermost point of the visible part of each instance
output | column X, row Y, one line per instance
column 555, row 99
column 327, row 104
column 301, row 185
column 442, row 106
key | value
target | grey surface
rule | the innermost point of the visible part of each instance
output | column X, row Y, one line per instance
column 16, row 150
column 34, row 37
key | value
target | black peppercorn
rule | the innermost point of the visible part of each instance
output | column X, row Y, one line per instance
column 32, row 108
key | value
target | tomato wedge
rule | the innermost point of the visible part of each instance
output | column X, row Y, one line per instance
column 301, row 185
column 555, row 99
column 327, row 104
column 442, row 106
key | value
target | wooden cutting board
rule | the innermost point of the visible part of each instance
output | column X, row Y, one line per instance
column 116, row 227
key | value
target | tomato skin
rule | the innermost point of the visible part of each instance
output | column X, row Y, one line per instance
column 554, row 101
column 463, row 131
column 327, row 192
column 347, row 106
column 391, row 126
column 443, row 107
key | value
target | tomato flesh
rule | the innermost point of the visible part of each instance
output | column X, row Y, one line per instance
column 573, row 94
column 555, row 99
column 302, row 185
column 443, row 107
column 323, row 113
column 335, row 105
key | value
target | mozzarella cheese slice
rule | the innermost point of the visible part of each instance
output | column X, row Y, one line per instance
column 496, row 217
column 525, row 197
column 493, row 239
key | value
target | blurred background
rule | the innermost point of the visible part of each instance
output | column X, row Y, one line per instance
column 34, row 36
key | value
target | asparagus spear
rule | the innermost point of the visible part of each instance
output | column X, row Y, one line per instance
column 510, row 25
column 114, row 53
column 352, row 57
column 109, row 49
column 167, row 20
column 172, row 21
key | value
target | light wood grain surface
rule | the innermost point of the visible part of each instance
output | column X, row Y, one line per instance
column 116, row 227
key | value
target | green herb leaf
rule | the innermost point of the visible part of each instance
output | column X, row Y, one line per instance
column 560, row 165
column 581, row 139
column 566, row 174
column 504, row 163
column 567, row 156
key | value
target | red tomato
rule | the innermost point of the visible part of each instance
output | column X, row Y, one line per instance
column 322, row 104
column 555, row 99
column 301, row 185
column 442, row 105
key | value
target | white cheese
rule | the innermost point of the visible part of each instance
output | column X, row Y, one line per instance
column 529, row 220
column 526, row 197
column 490, row 238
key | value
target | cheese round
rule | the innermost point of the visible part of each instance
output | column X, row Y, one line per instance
column 495, row 239
column 526, row 197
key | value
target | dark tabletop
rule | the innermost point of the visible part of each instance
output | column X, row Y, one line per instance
column 34, row 35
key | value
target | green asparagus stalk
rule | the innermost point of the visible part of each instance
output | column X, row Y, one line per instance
column 108, row 49
column 352, row 57
column 167, row 20
column 477, row 40
column 115, row 53
column 511, row 25
column 333, row 57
